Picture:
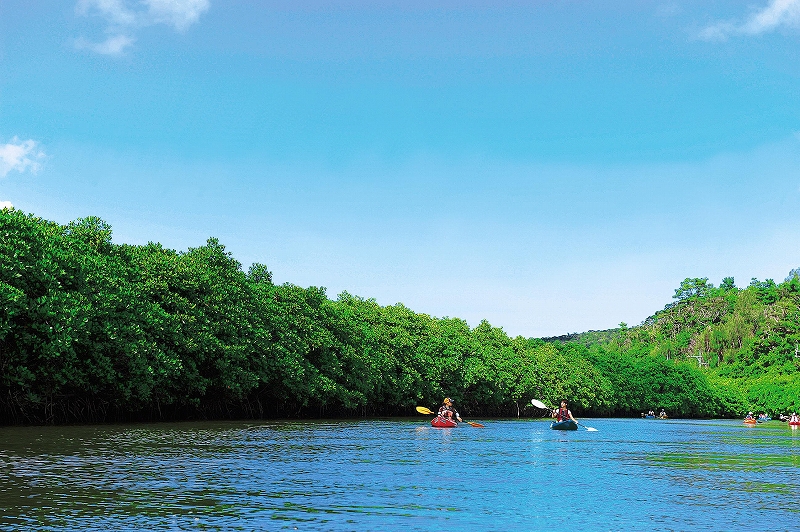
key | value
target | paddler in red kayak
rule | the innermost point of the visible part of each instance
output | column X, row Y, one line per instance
column 563, row 413
column 447, row 411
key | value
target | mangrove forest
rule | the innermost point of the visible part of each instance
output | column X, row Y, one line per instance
column 93, row 331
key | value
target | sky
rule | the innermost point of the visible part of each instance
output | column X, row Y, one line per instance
column 549, row 166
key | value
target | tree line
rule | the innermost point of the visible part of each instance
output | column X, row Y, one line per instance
column 95, row 331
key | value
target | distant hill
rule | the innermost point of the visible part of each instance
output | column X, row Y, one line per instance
column 584, row 338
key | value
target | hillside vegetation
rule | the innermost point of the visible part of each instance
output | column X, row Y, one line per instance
column 95, row 331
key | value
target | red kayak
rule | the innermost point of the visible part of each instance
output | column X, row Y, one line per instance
column 794, row 423
column 443, row 423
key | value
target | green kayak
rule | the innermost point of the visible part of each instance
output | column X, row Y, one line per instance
column 567, row 424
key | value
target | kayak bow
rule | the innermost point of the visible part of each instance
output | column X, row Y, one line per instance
column 441, row 423
column 567, row 424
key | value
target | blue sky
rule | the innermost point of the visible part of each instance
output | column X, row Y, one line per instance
column 551, row 166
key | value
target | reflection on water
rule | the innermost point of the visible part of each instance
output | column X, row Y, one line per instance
column 400, row 475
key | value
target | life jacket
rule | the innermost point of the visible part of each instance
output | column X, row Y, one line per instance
column 563, row 414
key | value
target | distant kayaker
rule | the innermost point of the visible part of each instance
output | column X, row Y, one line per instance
column 662, row 414
column 793, row 418
column 563, row 413
column 447, row 411
column 749, row 415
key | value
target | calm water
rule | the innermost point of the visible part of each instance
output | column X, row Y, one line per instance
column 401, row 475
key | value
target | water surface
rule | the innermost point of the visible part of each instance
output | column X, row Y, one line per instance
column 631, row 474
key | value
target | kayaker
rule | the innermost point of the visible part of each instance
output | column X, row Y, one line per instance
column 447, row 411
column 749, row 416
column 563, row 413
column 662, row 414
column 793, row 418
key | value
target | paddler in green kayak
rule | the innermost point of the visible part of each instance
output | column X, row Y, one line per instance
column 447, row 411
column 563, row 413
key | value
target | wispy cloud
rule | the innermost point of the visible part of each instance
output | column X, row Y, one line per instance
column 5, row 205
column 114, row 45
column 779, row 13
column 20, row 156
column 123, row 18
column 180, row 14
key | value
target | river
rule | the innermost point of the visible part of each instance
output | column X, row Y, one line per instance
column 631, row 474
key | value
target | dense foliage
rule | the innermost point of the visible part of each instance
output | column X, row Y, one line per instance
column 91, row 330
column 747, row 340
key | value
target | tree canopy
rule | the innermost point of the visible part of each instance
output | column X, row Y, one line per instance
column 96, row 331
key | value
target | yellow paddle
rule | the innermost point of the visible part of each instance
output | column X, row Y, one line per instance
column 423, row 410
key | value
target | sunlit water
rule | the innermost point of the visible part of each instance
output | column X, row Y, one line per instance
column 631, row 474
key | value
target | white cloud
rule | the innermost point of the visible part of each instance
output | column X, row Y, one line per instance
column 122, row 19
column 19, row 156
column 178, row 13
column 778, row 13
column 114, row 45
column 114, row 11
column 5, row 205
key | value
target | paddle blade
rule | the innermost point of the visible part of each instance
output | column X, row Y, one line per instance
column 538, row 404
column 591, row 429
column 472, row 423
column 423, row 410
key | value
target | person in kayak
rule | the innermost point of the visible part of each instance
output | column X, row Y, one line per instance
column 749, row 416
column 447, row 411
column 793, row 418
column 662, row 414
column 563, row 413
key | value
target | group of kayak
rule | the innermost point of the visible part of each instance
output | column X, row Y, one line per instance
column 448, row 416
column 793, row 420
